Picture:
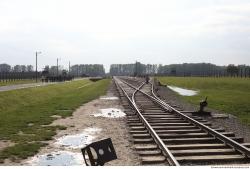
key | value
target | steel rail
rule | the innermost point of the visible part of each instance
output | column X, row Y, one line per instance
column 166, row 152
column 226, row 140
column 155, row 98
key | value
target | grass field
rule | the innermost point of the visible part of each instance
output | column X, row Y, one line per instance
column 16, row 82
column 230, row 95
column 25, row 113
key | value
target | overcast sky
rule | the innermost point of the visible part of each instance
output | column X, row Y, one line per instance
column 114, row 31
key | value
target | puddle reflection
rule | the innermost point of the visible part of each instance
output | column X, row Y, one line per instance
column 183, row 92
column 67, row 158
column 109, row 98
column 59, row 158
column 79, row 140
column 110, row 113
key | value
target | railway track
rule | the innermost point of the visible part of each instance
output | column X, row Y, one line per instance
column 164, row 136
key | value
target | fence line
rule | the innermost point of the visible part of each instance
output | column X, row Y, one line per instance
column 13, row 76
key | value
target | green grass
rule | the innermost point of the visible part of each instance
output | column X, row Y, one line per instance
column 16, row 82
column 229, row 95
column 25, row 113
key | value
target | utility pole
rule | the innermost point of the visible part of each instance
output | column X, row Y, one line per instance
column 36, row 64
column 136, row 67
column 77, row 70
column 36, row 67
column 69, row 66
column 57, row 67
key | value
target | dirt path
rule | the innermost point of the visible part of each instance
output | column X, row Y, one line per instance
column 23, row 86
column 29, row 85
column 114, row 128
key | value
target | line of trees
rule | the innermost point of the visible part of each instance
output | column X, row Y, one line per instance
column 133, row 69
column 136, row 69
column 87, row 70
column 239, row 71
column 17, row 72
column 192, row 69
column 17, row 68
column 54, row 71
column 185, row 69
column 13, row 76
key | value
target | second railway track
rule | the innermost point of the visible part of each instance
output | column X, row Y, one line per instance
column 164, row 136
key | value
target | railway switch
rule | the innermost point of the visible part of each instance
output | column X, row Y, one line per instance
column 203, row 104
column 201, row 111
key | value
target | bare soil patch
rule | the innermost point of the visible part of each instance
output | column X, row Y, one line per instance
column 5, row 143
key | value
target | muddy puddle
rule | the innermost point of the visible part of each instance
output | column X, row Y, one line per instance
column 67, row 150
column 110, row 113
column 59, row 158
column 78, row 140
column 183, row 92
column 109, row 98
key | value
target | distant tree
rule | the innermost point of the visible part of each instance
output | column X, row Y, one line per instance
column 87, row 70
column 185, row 69
column 160, row 69
column 30, row 68
column 191, row 69
column 17, row 68
column 46, row 68
column 232, row 70
column 5, row 67
column 64, row 72
column 53, row 70
column 23, row 68
column 45, row 71
column 136, row 69
column 173, row 72
column 242, row 70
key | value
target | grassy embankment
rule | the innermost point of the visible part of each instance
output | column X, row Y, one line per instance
column 230, row 95
column 16, row 82
column 25, row 113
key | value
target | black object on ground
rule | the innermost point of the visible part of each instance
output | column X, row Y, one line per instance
column 99, row 152
column 203, row 104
